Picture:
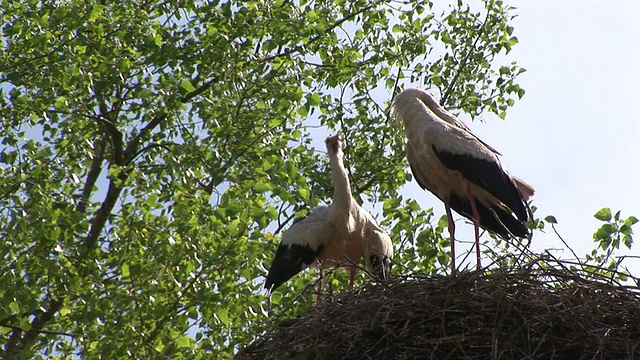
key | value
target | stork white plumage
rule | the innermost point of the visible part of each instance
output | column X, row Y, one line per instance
column 339, row 234
column 461, row 170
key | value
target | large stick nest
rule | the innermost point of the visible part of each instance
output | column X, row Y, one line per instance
column 533, row 312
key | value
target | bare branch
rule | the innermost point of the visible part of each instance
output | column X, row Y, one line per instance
column 9, row 326
column 100, row 219
column 284, row 223
column 92, row 176
column 19, row 342
column 132, row 147
column 463, row 64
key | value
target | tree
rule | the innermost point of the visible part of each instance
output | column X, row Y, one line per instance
column 153, row 153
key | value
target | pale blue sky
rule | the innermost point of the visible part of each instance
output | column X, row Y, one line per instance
column 575, row 135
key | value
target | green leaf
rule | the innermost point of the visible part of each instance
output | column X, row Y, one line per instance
column 145, row 94
column 186, row 84
column 603, row 215
column 304, row 194
column 14, row 307
column 184, row 342
column 54, row 234
column 551, row 219
column 303, row 110
column 223, row 315
column 206, row 345
column 157, row 39
column 25, row 325
column 296, row 134
column 262, row 187
column 276, row 298
column 153, row 200
column 314, row 100
column 96, row 12
column 61, row 103
column 124, row 269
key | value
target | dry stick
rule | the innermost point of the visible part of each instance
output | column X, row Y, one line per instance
column 352, row 319
column 565, row 244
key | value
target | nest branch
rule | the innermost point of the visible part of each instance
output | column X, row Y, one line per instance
column 542, row 309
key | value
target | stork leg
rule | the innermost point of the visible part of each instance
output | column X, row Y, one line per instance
column 330, row 288
column 320, row 277
column 352, row 277
column 476, row 226
column 452, row 230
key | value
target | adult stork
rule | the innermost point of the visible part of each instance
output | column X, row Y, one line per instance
column 340, row 234
column 464, row 172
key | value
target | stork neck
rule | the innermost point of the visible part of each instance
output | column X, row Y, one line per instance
column 341, row 185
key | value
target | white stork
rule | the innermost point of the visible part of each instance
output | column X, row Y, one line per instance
column 340, row 234
column 461, row 170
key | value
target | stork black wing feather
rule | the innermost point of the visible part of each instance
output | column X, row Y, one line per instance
column 488, row 219
column 489, row 176
column 290, row 259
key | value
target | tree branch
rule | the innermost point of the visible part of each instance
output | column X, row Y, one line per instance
column 100, row 219
column 284, row 223
column 9, row 326
column 461, row 65
column 92, row 177
column 132, row 147
column 198, row 91
column 367, row 185
column 107, row 118
column 18, row 343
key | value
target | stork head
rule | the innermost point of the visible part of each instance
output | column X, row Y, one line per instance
column 411, row 102
column 404, row 103
column 334, row 145
column 381, row 253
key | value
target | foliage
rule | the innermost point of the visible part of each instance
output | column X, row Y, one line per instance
column 614, row 232
column 153, row 153
column 602, row 263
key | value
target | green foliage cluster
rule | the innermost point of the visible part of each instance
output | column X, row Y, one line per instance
column 602, row 263
column 153, row 152
column 614, row 232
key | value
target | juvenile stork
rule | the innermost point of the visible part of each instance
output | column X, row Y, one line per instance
column 340, row 234
column 461, row 170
